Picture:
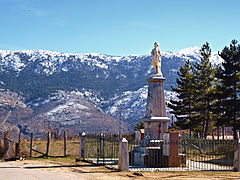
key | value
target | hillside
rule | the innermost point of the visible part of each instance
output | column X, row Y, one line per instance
column 62, row 111
column 69, row 110
column 13, row 111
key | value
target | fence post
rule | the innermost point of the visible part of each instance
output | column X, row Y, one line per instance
column 7, row 145
column 237, row 157
column 101, row 145
column 31, row 143
column 123, row 156
column 82, row 145
column 17, row 149
column 19, row 137
column 65, row 143
column 48, row 143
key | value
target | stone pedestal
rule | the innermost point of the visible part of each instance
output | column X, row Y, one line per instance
column 174, row 158
column 171, row 149
column 137, row 137
column 123, row 156
column 155, row 120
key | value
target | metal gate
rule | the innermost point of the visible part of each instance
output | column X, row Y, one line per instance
column 102, row 149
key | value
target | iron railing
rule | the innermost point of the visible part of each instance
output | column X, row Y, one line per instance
column 151, row 155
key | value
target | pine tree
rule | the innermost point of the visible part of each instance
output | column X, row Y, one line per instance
column 230, row 79
column 205, row 79
column 139, row 126
column 218, row 108
column 183, row 108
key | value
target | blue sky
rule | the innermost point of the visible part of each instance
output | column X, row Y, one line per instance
column 117, row 27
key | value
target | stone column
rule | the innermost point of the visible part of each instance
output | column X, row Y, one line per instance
column 166, row 142
column 137, row 137
column 155, row 120
column 174, row 158
column 123, row 156
column 156, row 100
column 237, row 157
column 171, row 148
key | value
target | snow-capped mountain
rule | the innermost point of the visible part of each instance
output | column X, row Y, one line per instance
column 115, row 84
column 192, row 53
column 130, row 105
column 187, row 53
column 50, row 62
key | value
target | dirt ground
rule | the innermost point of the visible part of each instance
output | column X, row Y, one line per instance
column 64, row 169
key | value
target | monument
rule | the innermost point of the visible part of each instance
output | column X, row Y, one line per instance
column 159, row 148
column 155, row 119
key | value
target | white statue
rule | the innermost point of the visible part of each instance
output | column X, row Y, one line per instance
column 156, row 59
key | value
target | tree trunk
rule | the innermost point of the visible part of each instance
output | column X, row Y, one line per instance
column 223, row 132
column 207, row 120
column 203, row 127
column 234, row 113
column 213, row 140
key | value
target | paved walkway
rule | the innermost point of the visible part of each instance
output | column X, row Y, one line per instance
column 45, row 169
column 33, row 171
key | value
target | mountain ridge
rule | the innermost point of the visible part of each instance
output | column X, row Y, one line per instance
column 11, row 55
column 106, row 80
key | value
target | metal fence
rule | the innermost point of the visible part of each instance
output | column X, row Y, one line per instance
column 148, row 155
column 151, row 155
column 208, row 154
column 192, row 154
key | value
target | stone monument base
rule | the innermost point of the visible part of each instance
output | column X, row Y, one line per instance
column 155, row 120
column 155, row 127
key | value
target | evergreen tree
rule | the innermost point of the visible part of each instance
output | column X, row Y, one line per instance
column 139, row 126
column 218, row 103
column 205, row 80
column 183, row 108
column 230, row 79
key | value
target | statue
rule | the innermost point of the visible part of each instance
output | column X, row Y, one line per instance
column 156, row 59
